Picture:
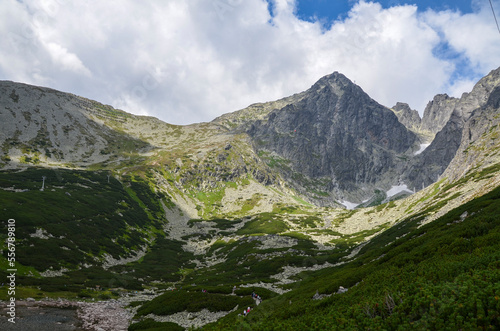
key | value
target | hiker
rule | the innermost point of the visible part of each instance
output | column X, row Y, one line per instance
column 244, row 312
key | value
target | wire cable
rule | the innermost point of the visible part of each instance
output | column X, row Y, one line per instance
column 495, row 16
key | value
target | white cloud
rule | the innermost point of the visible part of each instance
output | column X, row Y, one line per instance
column 65, row 59
column 458, row 87
column 388, row 53
column 475, row 35
column 190, row 61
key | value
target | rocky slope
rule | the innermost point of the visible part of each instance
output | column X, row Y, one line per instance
column 241, row 120
column 480, row 145
column 336, row 140
column 426, row 167
column 352, row 146
column 43, row 126
column 437, row 113
column 407, row 116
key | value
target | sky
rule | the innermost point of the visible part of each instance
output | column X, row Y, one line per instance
column 191, row 61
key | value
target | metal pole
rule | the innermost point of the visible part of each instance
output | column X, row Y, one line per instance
column 43, row 183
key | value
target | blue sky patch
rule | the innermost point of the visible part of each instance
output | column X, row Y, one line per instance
column 327, row 11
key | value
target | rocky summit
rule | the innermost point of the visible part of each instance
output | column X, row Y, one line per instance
column 321, row 210
column 407, row 116
column 335, row 136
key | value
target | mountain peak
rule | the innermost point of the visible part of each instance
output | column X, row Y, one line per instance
column 407, row 116
column 335, row 120
column 437, row 113
column 334, row 77
column 339, row 82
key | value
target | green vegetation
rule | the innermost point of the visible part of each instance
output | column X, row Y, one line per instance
column 297, row 235
column 161, row 263
column 307, row 221
column 221, row 224
column 445, row 274
column 262, row 292
column 151, row 325
column 275, row 161
column 176, row 301
column 249, row 204
column 265, row 223
column 78, row 217
column 25, row 159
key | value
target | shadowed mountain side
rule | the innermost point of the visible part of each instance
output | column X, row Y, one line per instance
column 426, row 167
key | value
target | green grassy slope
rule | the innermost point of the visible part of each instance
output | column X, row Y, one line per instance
column 78, row 223
column 443, row 275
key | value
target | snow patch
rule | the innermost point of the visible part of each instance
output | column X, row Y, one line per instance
column 349, row 205
column 422, row 148
column 398, row 189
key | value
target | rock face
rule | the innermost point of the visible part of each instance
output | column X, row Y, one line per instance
column 407, row 116
column 337, row 133
column 426, row 168
column 479, row 134
column 441, row 109
column 438, row 113
column 40, row 124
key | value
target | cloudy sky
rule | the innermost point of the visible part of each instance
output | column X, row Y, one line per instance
column 193, row 60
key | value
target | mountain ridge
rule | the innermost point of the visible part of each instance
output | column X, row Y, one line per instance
column 444, row 146
column 356, row 178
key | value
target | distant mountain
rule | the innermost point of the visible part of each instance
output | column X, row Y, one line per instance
column 407, row 116
column 335, row 136
column 45, row 126
column 437, row 113
column 479, row 144
column 48, row 128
